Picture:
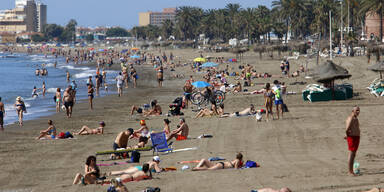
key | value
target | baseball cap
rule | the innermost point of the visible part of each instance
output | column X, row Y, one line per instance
column 156, row 158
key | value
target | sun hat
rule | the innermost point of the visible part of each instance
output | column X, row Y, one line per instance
column 156, row 158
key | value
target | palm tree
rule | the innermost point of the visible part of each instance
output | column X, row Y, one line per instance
column 249, row 20
column 167, row 28
column 374, row 7
column 188, row 19
column 233, row 11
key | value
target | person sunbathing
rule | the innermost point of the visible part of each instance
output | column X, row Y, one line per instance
column 211, row 112
column 180, row 133
column 375, row 190
column 153, row 166
column 205, row 164
column 156, row 109
column 140, row 110
column 117, row 185
column 273, row 190
column 92, row 172
column 49, row 133
column 246, row 112
column 88, row 131
column 142, row 173
column 142, row 142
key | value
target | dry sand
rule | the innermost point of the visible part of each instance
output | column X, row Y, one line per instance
column 305, row 151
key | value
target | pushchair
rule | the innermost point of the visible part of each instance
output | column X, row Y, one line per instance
column 176, row 106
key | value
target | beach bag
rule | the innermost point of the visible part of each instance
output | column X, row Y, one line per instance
column 61, row 135
column 135, row 157
column 285, row 108
column 250, row 164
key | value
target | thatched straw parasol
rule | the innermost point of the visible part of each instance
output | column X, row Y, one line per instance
column 329, row 72
column 378, row 67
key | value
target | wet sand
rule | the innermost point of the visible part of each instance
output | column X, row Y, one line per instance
column 305, row 151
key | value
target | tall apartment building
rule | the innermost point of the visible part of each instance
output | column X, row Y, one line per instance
column 27, row 16
column 157, row 18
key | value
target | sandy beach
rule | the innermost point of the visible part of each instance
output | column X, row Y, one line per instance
column 304, row 151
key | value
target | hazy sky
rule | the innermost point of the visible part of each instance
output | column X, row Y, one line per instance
column 120, row 12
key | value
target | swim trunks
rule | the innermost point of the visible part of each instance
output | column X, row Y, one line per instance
column 119, row 85
column 279, row 102
column 160, row 79
column 90, row 95
column 115, row 146
column 53, row 137
column 181, row 137
column 353, row 143
column 248, row 75
column 140, row 168
column 68, row 104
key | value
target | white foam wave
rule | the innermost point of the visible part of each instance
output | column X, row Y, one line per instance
column 51, row 90
column 83, row 75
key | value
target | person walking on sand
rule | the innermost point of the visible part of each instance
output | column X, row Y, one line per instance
column 20, row 109
column 90, row 95
column 68, row 101
column 2, row 114
column 352, row 137
column 119, row 83
column 268, row 96
column 134, row 76
column 278, row 98
column 160, row 77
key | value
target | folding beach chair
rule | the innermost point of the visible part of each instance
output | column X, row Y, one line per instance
column 159, row 143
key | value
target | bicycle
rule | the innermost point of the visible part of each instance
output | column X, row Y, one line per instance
column 200, row 99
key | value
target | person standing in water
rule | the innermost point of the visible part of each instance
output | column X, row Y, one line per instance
column 43, row 88
column 119, row 82
column 68, row 101
column 58, row 99
column 2, row 114
column 133, row 76
column 68, row 76
column 34, row 92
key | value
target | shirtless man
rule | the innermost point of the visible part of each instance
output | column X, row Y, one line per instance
column 85, row 130
column 188, row 89
column 352, row 137
column 2, row 114
column 68, row 101
column 181, row 133
column 121, row 140
column 247, row 70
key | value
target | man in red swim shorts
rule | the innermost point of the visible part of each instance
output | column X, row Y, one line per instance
column 353, row 136
column 180, row 133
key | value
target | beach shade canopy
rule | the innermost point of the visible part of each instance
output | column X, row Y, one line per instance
column 135, row 56
column 328, row 72
column 201, row 84
column 209, row 64
column 199, row 59
column 91, row 48
column 135, row 49
column 232, row 60
column 101, row 50
column 378, row 67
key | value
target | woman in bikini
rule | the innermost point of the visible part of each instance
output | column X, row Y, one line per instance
column 205, row 164
column 142, row 172
column 167, row 130
column 133, row 76
column 160, row 75
column 49, row 133
column 44, row 88
column 92, row 172
column 85, row 130
column 90, row 95
column 58, row 99
column 20, row 109
column 268, row 96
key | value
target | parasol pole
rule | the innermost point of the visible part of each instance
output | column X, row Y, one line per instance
column 330, row 35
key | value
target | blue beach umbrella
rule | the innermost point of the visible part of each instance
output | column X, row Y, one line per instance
column 124, row 50
column 201, row 84
column 135, row 57
column 209, row 64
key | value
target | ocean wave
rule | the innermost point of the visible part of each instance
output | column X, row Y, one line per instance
column 83, row 74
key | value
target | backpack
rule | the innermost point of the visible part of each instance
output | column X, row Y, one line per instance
column 135, row 157
column 251, row 164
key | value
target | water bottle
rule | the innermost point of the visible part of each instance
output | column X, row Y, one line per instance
column 356, row 168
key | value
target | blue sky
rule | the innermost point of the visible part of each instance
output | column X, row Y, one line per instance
column 120, row 12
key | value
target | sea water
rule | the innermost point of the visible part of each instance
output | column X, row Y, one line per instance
column 17, row 78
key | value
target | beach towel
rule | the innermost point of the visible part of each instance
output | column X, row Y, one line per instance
column 251, row 164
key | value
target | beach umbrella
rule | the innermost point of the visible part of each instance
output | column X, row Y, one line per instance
column 91, row 49
column 101, row 50
column 201, row 84
column 378, row 67
column 135, row 49
column 135, row 56
column 124, row 50
column 199, row 59
column 209, row 64
column 328, row 72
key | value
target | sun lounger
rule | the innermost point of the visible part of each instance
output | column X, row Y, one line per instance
column 159, row 142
